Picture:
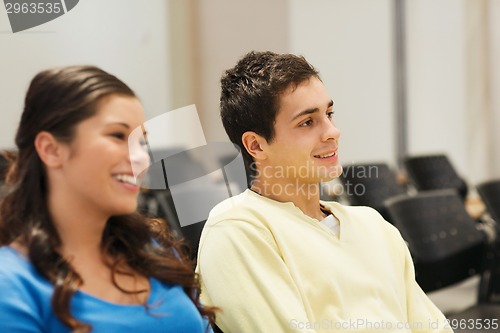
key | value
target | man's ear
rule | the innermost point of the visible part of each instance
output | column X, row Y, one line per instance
column 49, row 149
column 254, row 143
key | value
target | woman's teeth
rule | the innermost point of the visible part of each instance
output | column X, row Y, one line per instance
column 126, row 179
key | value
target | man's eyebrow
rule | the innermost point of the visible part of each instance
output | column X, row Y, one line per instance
column 310, row 111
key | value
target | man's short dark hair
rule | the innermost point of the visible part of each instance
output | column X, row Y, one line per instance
column 251, row 93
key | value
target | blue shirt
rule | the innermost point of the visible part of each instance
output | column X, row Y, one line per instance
column 25, row 305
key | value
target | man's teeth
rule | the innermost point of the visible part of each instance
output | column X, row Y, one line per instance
column 126, row 179
column 325, row 156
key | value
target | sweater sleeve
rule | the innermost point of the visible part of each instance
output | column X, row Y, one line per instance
column 423, row 315
column 17, row 309
column 237, row 255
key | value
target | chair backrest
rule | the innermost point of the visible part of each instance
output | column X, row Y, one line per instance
column 490, row 286
column 443, row 239
column 185, row 209
column 181, row 188
column 176, row 160
column 216, row 329
column 490, row 194
column 434, row 172
column 370, row 185
column 4, row 164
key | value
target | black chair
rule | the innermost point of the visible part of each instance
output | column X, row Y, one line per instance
column 448, row 248
column 434, row 172
column 179, row 189
column 3, row 167
column 192, row 204
column 216, row 329
column 4, row 164
column 185, row 209
column 370, row 185
column 488, row 307
column 157, row 203
column 443, row 239
column 490, row 194
column 173, row 166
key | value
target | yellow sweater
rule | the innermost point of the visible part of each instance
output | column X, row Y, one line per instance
column 270, row 268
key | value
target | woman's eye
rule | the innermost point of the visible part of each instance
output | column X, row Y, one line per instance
column 118, row 135
column 330, row 114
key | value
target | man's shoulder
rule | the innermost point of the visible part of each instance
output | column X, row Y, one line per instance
column 233, row 203
column 353, row 211
column 249, row 203
column 361, row 216
column 249, row 207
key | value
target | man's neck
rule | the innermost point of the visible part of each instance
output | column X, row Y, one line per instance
column 303, row 195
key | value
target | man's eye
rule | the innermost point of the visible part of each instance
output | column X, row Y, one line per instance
column 306, row 123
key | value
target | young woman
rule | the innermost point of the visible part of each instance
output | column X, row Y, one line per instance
column 75, row 256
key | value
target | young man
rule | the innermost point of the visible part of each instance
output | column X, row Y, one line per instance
column 276, row 259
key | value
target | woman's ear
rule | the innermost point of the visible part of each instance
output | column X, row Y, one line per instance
column 254, row 143
column 49, row 149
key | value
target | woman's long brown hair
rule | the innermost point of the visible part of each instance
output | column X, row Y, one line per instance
column 56, row 101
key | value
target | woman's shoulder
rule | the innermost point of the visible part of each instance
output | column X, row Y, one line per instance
column 13, row 261
column 23, row 288
column 25, row 296
column 17, row 272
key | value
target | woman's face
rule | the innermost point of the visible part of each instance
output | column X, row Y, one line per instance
column 98, row 171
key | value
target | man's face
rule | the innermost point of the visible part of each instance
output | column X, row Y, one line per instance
column 305, row 145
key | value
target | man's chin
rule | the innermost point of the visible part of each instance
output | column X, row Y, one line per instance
column 330, row 174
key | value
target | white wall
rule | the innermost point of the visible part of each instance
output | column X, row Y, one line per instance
column 124, row 37
column 351, row 43
column 450, row 109
column 494, row 91
column 228, row 29
column 436, row 79
column 453, row 76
